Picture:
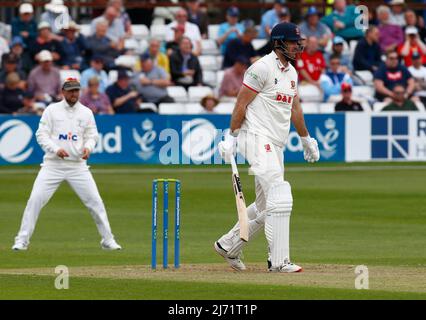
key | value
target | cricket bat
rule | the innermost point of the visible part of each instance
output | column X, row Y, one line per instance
column 241, row 203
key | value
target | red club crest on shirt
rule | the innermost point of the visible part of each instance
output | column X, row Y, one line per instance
column 268, row 148
column 293, row 84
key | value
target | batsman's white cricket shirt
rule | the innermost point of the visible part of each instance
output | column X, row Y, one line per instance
column 276, row 87
column 69, row 128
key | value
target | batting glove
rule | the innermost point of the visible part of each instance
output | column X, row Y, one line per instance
column 228, row 147
column 310, row 149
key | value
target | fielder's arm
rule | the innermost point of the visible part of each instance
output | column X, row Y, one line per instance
column 297, row 118
column 245, row 96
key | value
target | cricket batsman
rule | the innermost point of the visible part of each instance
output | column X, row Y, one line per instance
column 267, row 102
column 67, row 134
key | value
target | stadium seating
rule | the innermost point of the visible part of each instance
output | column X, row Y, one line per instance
column 85, row 30
column 171, row 108
column 195, row 94
column 310, row 107
column 158, row 31
column 112, row 76
column 362, row 93
column 259, row 43
column 178, row 93
column 209, row 78
column 213, row 30
column 224, row 108
column 366, row 76
column 140, row 31
column 327, row 107
column 148, row 106
column 209, row 47
column 310, row 93
column 194, row 108
column 378, row 106
column 208, row 63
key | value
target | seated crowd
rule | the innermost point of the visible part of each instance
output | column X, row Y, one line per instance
column 389, row 56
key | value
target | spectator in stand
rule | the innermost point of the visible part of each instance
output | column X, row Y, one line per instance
column 229, row 30
column 338, row 50
column 312, row 27
column 45, row 80
column 29, row 106
column 342, row 21
column 241, row 47
column 391, row 36
column 191, row 30
column 233, row 78
column 73, row 47
column 96, row 100
column 331, row 81
column 412, row 44
column 367, row 54
column 311, row 63
column 152, row 82
column 172, row 46
column 411, row 20
column 115, row 28
column 347, row 104
column 185, row 67
column 11, row 66
column 389, row 75
column 400, row 102
column 123, row 16
column 4, row 47
column 55, row 15
column 284, row 15
column 24, row 25
column 25, row 62
column 198, row 16
column 209, row 103
column 123, row 98
column 11, row 96
column 397, row 12
column 418, row 71
column 100, row 45
column 96, row 70
column 46, row 41
column 160, row 59
column 270, row 18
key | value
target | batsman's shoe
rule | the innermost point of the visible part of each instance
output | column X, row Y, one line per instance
column 20, row 246
column 235, row 263
column 110, row 245
column 287, row 268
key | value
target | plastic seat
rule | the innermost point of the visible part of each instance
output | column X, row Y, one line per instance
column 208, row 63
column 178, row 93
column 195, row 94
column 171, row 108
column 209, row 47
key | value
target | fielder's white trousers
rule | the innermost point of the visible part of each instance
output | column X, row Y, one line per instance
column 47, row 182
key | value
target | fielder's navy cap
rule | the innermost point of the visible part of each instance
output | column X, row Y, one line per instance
column 311, row 11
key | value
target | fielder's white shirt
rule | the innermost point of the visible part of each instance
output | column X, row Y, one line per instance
column 269, row 114
column 69, row 128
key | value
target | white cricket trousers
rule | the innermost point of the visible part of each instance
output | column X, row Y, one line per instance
column 47, row 182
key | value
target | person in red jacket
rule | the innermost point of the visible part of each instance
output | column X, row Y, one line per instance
column 311, row 63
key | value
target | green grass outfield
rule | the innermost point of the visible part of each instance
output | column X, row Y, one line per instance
column 344, row 216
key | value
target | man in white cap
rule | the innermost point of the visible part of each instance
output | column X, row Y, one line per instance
column 56, row 15
column 397, row 12
column 67, row 134
column 46, row 40
column 45, row 80
column 24, row 25
column 412, row 44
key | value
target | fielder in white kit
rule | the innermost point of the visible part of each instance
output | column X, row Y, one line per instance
column 67, row 134
column 266, row 104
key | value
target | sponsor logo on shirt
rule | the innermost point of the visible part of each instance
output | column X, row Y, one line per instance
column 268, row 148
column 284, row 98
column 253, row 75
column 68, row 136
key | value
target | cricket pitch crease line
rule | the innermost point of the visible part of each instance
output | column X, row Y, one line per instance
column 225, row 170
column 384, row 278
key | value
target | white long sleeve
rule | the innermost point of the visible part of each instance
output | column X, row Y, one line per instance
column 91, row 135
column 43, row 134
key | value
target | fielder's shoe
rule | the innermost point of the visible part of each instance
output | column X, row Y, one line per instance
column 110, row 245
column 287, row 268
column 235, row 263
column 20, row 246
